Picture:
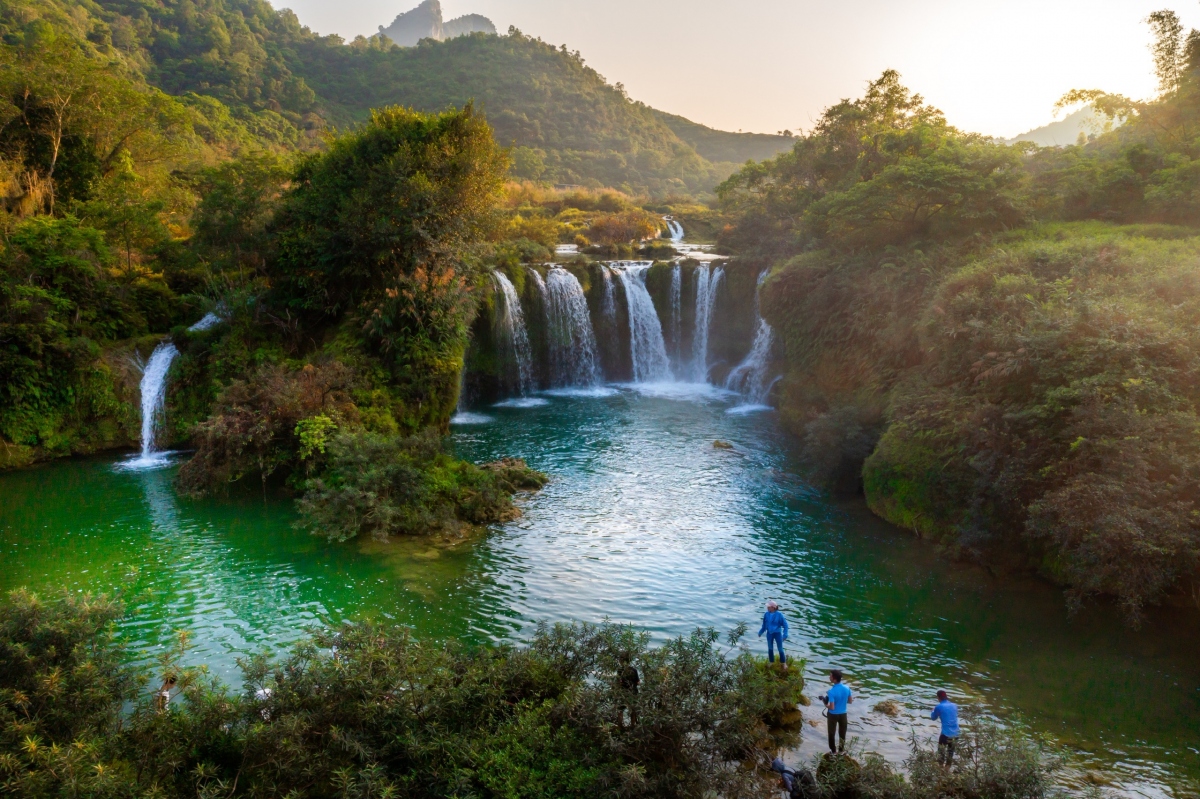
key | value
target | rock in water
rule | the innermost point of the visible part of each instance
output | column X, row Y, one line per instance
column 425, row 22
column 719, row 444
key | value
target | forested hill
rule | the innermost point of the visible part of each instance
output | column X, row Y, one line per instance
column 284, row 83
column 724, row 146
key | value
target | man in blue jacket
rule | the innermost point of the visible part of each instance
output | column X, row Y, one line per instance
column 776, row 628
column 947, row 712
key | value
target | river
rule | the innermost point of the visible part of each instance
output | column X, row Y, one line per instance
column 645, row 523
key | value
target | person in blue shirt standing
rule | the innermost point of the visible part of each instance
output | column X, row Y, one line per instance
column 835, row 702
column 776, row 628
column 947, row 712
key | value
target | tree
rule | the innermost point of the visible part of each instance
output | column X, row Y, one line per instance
column 1168, row 49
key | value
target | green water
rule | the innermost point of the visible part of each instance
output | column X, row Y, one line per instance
column 645, row 522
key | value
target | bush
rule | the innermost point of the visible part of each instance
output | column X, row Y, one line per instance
column 368, row 710
column 392, row 485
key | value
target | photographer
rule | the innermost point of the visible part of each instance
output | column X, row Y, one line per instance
column 835, row 701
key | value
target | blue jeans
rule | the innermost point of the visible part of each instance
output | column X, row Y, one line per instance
column 775, row 640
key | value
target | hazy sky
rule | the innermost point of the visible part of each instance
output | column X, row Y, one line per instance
column 994, row 66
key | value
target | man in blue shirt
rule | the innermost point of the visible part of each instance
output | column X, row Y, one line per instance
column 947, row 712
column 776, row 628
column 835, row 702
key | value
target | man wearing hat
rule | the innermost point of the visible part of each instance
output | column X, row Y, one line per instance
column 776, row 628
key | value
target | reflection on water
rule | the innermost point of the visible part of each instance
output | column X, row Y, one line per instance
column 645, row 522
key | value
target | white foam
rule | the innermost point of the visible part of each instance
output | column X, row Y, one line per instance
column 522, row 402
column 143, row 463
column 583, row 391
column 466, row 417
column 744, row 410
column 679, row 391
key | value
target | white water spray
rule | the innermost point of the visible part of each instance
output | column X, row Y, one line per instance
column 707, row 283
column 676, row 230
column 647, row 351
column 609, row 305
column 510, row 322
column 154, row 394
column 749, row 378
column 574, row 358
column 676, row 311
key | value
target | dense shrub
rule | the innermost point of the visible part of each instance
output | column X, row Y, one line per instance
column 390, row 485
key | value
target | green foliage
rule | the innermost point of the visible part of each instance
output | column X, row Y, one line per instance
column 882, row 170
column 1023, row 397
column 63, row 679
column 388, row 485
column 59, row 304
column 368, row 710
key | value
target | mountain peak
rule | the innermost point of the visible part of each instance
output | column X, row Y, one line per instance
column 425, row 22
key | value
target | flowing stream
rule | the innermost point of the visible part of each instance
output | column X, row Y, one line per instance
column 708, row 281
column 750, row 377
column 647, row 349
column 646, row 523
column 153, row 389
column 511, row 323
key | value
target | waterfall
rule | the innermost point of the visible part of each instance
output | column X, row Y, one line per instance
column 707, row 283
column 676, row 310
column 609, row 305
column 154, row 391
column 574, row 360
column 676, row 230
column 510, row 322
column 647, row 351
column 749, row 377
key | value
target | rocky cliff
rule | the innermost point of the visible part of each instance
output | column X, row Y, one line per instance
column 425, row 22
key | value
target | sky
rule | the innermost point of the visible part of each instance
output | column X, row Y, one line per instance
column 993, row 66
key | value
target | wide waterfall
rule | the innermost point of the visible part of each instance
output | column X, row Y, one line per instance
column 749, row 377
column 707, row 283
column 574, row 356
column 647, row 351
column 154, row 395
column 510, row 322
column 676, row 311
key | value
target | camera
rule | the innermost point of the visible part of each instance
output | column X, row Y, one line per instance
column 824, row 699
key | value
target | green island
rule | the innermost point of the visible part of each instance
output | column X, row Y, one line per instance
column 369, row 414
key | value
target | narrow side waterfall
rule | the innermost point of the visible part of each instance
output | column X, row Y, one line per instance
column 676, row 230
column 154, row 391
column 648, row 352
column 707, row 283
column 609, row 305
column 510, row 322
column 574, row 356
column 749, row 378
column 676, row 312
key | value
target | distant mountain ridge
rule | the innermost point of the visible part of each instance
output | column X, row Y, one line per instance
column 257, row 76
column 425, row 22
column 1065, row 131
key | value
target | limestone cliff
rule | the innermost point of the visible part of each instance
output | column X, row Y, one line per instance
column 425, row 22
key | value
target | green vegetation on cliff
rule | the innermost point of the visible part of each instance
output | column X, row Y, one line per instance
column 997, row 344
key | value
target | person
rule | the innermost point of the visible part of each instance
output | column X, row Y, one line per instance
column 836, row 700
column 629, row 680
column 947, row 712
column 162, row 697
column 776, row 628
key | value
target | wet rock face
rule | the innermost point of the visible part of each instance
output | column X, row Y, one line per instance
column 425, row 22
